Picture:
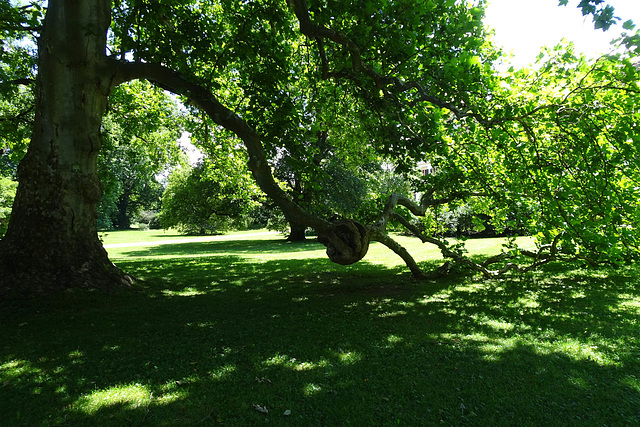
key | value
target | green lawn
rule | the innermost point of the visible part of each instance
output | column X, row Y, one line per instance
column 220, row 332
column 145, row 235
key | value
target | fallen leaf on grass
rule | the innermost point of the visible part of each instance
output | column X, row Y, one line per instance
column 262, row 409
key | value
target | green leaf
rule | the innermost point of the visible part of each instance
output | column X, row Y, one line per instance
column 629, row 25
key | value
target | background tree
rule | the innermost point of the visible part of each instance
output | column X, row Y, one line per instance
column 208, row 198
column 7, row 194
column 16, row 119
column 140, row 130
column 17, row 68
column 140, row 133
column 18, row 32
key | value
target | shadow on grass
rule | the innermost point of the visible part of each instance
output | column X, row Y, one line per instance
column 219, row 339
column 270, row 246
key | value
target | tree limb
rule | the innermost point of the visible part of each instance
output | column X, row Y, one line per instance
column 387, row 83
column 202, row 98
column 23, row 81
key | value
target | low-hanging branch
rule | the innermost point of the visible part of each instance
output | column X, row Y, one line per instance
column 202, row 98
column 347, row 241
column 545, row 253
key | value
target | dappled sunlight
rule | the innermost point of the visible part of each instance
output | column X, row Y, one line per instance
column 15, row 369
column 186, row 292
column 170, row 393
column 494, row 348
column 76, row 356
column 284, row 361
column 250, row 250
column 628, row 302
column 633, row 383
column 392, row 313
column 499, row 326
column 222, row 372
column 393, row 340
column 349, row 357
column 311, row 389
column 258, row 251
column 125, row 396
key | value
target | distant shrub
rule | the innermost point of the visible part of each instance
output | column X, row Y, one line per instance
column 8, row 189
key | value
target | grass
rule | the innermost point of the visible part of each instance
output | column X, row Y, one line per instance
column 219, row 332
column 118, row 237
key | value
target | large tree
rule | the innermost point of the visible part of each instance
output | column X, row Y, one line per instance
column 421, row 68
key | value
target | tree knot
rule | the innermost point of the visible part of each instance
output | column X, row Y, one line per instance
column 347, row 241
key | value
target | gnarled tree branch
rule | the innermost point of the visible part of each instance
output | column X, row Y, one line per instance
column 202, row 98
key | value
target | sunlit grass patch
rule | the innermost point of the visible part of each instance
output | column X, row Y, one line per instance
column 222, row 372
column 126, row 397
column 283, row 360
column 349, row 357
column 186, row 292
column 21, row 371
column 629, row 303
column 311, row 389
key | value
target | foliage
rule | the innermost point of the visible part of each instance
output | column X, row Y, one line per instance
column 601, row 12
column 406, row 82
column 140, row 133
column 139, row 130
column 18, row 31
column 381, row 180
column 7, row 194
column 149, row 219
column 213, row 196
column 448, row 106
column 16, row 118
column 560, row 152
column 312, row 130
column 327, row 189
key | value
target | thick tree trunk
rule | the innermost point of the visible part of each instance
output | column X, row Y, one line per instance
column 52, row 241
column 123, row 206
column 297, row 233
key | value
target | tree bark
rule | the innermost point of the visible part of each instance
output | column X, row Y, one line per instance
column 297, row 233
column 347, row 241
column 123, row 206
column 52, row 242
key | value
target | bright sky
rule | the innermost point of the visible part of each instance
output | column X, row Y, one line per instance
column 522, row 27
